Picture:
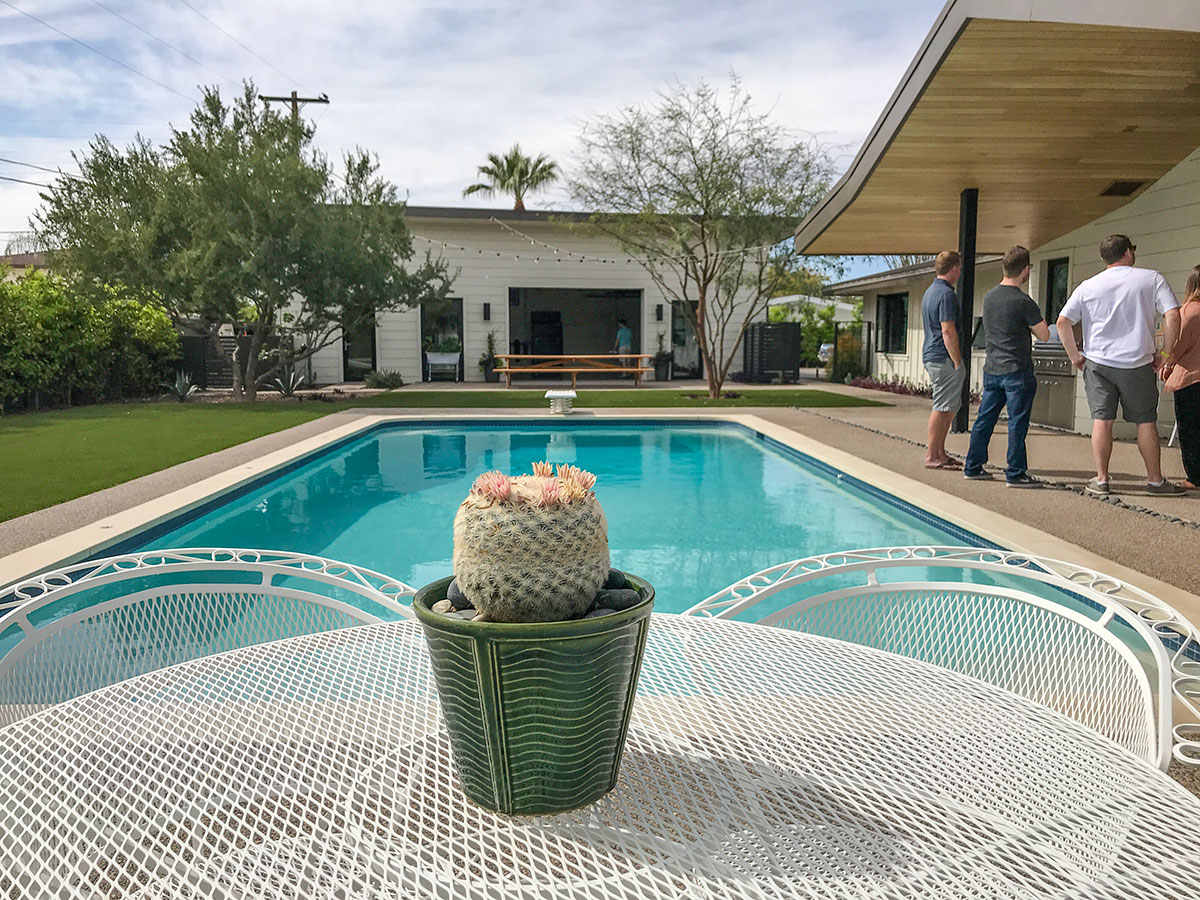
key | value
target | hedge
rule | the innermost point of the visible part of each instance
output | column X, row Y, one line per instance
column 63, row 346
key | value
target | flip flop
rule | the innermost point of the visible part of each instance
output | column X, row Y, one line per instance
column 945, row 464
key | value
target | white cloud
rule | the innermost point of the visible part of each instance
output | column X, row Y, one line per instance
column 433, row 87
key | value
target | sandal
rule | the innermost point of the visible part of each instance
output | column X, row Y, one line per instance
column 946, row 464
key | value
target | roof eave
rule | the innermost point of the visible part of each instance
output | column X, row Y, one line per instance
column 947, row 28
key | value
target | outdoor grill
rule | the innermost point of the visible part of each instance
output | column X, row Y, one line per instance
column 1054, row 403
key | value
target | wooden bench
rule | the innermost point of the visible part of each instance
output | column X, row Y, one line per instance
column 573, row 365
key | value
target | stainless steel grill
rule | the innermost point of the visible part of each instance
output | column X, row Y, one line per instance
column 1054, row 403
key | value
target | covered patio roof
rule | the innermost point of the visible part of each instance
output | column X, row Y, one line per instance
column 1057, row 112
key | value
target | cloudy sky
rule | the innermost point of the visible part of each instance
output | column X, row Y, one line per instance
column 431, row 88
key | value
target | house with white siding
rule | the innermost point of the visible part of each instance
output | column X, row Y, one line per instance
column 529, row 280
column 1046, row 123
column 892, row 310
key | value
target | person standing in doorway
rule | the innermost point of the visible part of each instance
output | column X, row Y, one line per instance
column 1182, row 375
column 942, row 356
column 1118, row 309
column 1009, row 316
column 624, row 343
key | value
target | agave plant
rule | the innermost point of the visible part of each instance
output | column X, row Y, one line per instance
column 183, row 387
column 289, row 382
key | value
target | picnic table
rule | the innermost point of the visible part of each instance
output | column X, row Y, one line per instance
column 760, row 763
column 635, row 364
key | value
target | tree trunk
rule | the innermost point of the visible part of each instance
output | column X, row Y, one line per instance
column 520, row 202
column 256, row 341
column 711, row 373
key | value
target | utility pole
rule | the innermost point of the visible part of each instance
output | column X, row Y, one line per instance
column 295, row 104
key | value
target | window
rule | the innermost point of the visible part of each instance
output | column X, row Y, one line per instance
column 891, row 318
column 1056, row 287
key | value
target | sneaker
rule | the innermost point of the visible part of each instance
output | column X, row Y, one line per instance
column 1164, row 489
column 981, row 475
column 1097, row 488
column 1024, row 481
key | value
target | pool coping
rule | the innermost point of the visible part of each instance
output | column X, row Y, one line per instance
column 88, row 540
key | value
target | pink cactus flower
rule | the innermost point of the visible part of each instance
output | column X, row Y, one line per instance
column 495, row 485
column 552, row 494
column 543, row 469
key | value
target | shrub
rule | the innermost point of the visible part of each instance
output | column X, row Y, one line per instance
column 387, row 379
column 61, row 343
column 893, row 385
column 847, row 358
column 898, row 385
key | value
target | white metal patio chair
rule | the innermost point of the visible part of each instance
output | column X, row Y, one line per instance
column 73, row 630
column 1087, row 645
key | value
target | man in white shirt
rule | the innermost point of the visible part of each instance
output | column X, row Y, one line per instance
column 1118, row 309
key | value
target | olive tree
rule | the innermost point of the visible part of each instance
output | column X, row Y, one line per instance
column 239, row 223
column 704, row 193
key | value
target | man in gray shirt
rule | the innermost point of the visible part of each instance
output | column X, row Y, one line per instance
column 1009, row 315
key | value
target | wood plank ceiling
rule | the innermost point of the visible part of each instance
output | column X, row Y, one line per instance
column 1041, row 118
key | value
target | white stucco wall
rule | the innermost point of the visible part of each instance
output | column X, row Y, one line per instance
column 326, row 364
column 487, row 268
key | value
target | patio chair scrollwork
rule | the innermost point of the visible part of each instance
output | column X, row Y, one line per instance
column 964, row 603
column 79, row 628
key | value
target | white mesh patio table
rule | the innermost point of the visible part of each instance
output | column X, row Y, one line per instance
column 760, row 763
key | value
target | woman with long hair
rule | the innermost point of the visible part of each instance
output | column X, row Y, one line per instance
column 1182, row 375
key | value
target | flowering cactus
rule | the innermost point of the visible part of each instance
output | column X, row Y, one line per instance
column 531, row 548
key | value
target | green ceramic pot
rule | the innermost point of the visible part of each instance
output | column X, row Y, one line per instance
column 537, row 711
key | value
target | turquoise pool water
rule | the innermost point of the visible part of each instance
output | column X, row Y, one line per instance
column 691, row 508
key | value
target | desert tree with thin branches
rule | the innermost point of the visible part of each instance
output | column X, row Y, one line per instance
column 704, row 193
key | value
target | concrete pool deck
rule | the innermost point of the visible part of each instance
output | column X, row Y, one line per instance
column 1127, row 539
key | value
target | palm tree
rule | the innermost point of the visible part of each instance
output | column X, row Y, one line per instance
column 516, row 174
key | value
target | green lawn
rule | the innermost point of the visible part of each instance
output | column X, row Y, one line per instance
column 49, row 457
column 54, row 456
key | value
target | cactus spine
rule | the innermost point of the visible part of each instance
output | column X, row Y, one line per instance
column 531, row 548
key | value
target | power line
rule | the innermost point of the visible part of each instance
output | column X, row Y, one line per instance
column 16, row 162
column 169, row 46
column 111, row 59
column 236, row 41
column 23, row 181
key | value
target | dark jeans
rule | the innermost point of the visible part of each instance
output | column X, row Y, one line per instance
column 1187, row 414
column 1015, row 390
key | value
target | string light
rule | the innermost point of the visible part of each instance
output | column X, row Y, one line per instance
column 581, row 257
column 627, row 260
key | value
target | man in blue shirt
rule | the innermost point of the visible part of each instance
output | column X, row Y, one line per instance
column 942, row 356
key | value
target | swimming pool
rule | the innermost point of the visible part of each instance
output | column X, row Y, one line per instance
column 691, row 506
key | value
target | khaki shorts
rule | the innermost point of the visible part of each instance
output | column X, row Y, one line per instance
column 947, row 385
column 1137, row 389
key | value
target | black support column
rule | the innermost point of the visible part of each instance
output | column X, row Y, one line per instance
column 968, row 209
